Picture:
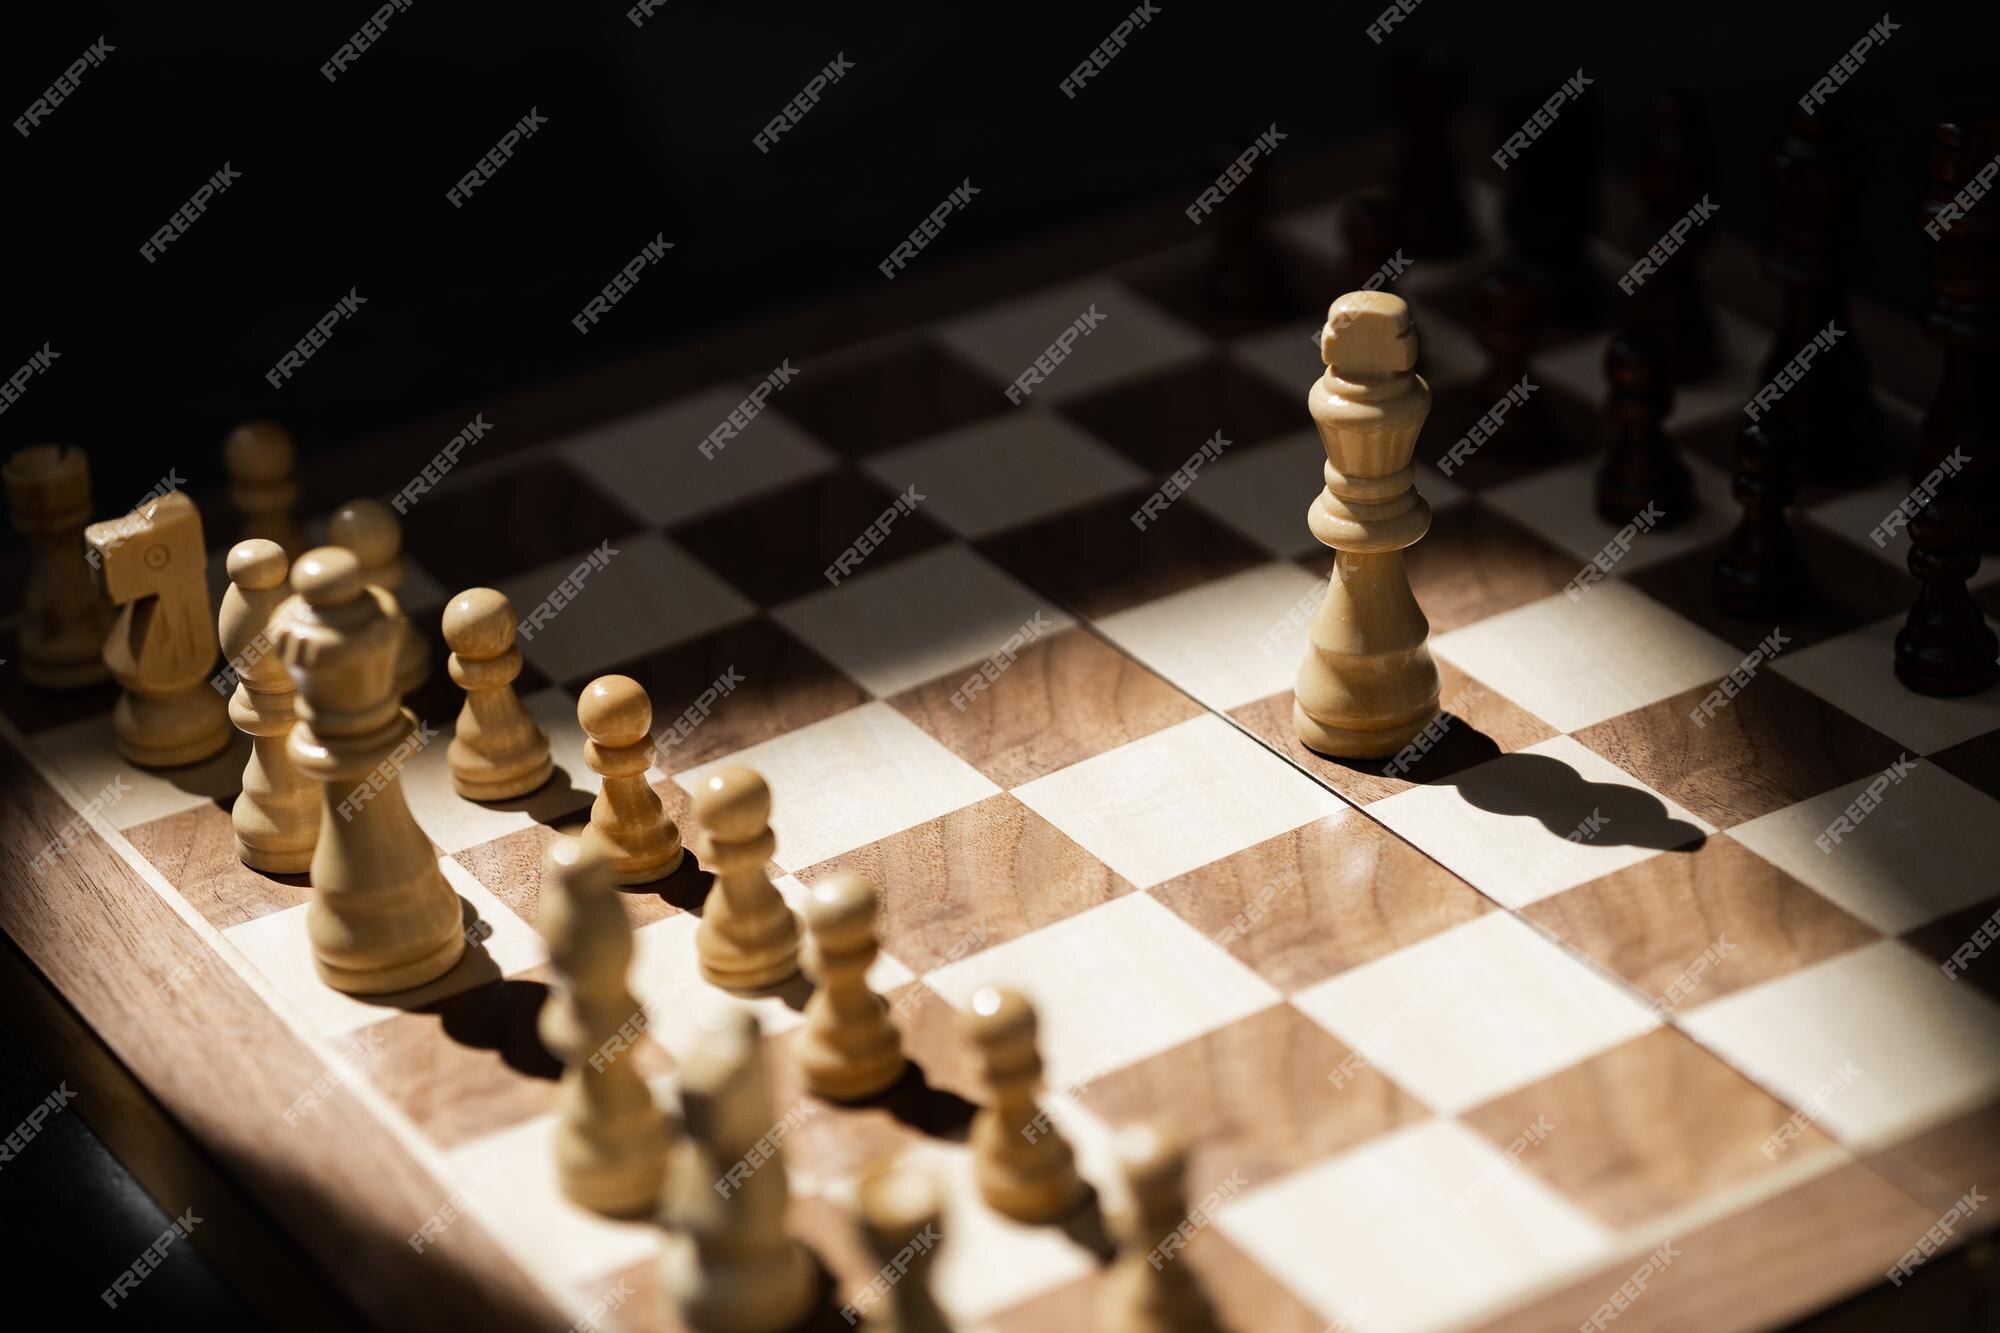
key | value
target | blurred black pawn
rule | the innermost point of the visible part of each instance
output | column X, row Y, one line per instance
column 1676, row 170
column 1761, row 575
column 1642, row 476
column 1507, row 331
column 1946, row 647
column 1244, row 284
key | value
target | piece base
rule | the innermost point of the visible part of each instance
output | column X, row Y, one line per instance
column 385, row 981
column 1343, row 743
column 180, row 755
column 278, row 861
column 506, row 787
column 626, row 877
column 842, row 1082
column 64, row 676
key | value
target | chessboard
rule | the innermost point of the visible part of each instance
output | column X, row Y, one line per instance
column 1574, row 1014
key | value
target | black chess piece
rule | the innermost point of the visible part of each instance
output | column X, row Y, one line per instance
column 1961, row 429
column 1432, row 218
column 1550, row 211
column 1367, row 231
column 1244, row 281
column 1507, row 332
column 1676, row 170
column 1642, row 472
column 1761, row 574
column 1817, row 173
column 1946, row 647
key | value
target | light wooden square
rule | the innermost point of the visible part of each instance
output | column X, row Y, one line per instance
column 1856, row 673
column 1133, row 337
column 1223, row 642
column 1559, row 504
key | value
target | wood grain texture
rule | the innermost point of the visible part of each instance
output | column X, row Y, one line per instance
column 1311, row 903
column 1607, row 1145
column 347, row 1192
column 195, row 851
column 1649, row 922
column 1249, row 1299
column 1069, row 695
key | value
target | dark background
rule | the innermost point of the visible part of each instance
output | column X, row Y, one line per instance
column 343, row 186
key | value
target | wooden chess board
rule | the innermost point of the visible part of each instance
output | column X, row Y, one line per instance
column 1476, row 1044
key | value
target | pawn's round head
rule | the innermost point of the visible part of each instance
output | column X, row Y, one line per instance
column 841, row 906
column 733, row 804
column 257, row 565
column 258, row 451
column 899, row 1200
column 479, row 624
column 999, row 1015
column 368, row 528
column 1149, row 1152
column 579, row 871
column 614, row 711
column 1635, row 363
column 1945, row 523
column 328, row 576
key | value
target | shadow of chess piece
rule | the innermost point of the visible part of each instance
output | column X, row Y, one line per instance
column 1817, row 172
column 1945, row 648
column 1642, row 476
column 1676, row 169
column 1431, row 218
column 1761, row 575
column 1960, row 441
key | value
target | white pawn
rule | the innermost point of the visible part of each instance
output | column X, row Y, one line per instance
column 1150, row 1288
column 1025, row 1168
column 729, row 1263
column 258, row 457
column 383, row 917
column 628, row 824
column 900, row 1212
column 748, row 940
column 611, row 1136
column 849, row 1050
column 276, row 815
column 371, row 530
column 498, row 750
